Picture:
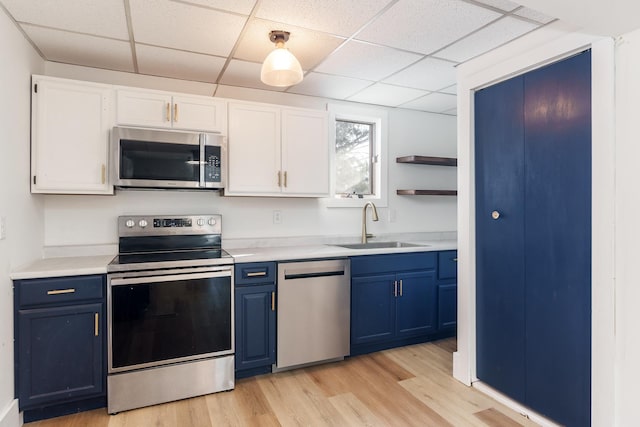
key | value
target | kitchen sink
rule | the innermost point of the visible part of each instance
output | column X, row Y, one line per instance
column 378, row 245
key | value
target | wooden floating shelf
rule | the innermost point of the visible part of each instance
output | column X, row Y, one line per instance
column 427, row 192
column 426, row 160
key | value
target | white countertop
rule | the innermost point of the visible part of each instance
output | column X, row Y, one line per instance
column 83, row 265
column 330, row 251
column 64, row 266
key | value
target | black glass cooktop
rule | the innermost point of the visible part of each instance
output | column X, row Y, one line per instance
column 169, row 259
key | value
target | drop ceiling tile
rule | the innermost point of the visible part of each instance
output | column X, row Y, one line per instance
column 426, row 25
column 434, row 102
column 383, row 94
column 157, row 61
column 534, row 15
column 185, row 27
column 238, row 6
column 81, row 49
column 505, row 5
column 486, row 39
column 245, row 74
column 429, row 74
column 366, row 61
column 310, row 47
column 328, row 86
column 331, row 16
column 98, row 17
column 453, row 90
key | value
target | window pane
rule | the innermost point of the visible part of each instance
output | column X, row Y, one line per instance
column 353, row 157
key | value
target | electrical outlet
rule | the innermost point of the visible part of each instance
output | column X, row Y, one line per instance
column 277, row 217
column 3, row 228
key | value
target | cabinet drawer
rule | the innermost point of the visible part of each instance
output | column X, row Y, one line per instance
column 371, row 264
column 447, row 265
column 59, row 290
column 255, row 273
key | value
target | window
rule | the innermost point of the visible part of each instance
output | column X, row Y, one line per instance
column 354, row 153
column 358, row 158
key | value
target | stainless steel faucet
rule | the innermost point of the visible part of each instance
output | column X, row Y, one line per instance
column 374, row 217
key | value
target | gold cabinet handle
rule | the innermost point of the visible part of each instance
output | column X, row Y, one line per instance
column 61, row 291
column 95, row 325
column 495, row 214
column 104, row 173
column 279, row 179
column 168, row 111
column 285, row 179
column 400, row 287
column 175, row 112
column 257, row 274
column 273, row 301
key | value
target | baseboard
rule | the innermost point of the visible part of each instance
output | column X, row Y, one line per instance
column 512, row 404
column 9, row 415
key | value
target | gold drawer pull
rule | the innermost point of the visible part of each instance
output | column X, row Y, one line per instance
column 168, row 112
column 175, row 112
column 95, row 325
column 273, row 301
column 279, row 179
column 257, row 274
column 285, row 179
column 61, row 291
column 104, row 173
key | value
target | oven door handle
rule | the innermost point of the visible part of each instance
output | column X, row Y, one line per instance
column 167, row 278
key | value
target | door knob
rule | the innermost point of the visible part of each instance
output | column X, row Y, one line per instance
column 495, row 214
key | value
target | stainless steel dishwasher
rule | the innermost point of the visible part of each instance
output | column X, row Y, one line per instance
column 314, row 304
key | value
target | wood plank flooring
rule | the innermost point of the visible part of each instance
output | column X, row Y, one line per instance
column 408, row 386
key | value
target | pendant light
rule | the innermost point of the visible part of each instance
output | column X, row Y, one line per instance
column 280, row 68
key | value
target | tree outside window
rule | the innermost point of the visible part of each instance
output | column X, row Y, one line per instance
column 353, row 160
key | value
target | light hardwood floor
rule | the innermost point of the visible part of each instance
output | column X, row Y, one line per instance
column 408, row 386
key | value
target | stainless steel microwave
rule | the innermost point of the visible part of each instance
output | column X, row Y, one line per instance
column 150, row 158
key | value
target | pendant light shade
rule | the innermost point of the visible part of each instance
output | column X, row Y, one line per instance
column 280, row 68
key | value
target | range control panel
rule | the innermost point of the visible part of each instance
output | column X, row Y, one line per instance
column 143, row 225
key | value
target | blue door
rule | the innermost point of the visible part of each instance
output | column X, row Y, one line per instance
column 533, row 234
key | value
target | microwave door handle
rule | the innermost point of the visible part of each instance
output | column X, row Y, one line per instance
column 203, row 141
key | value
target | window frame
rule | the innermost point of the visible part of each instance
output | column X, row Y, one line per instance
column 379, row 119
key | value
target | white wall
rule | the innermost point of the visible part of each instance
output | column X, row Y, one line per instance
column 78, row 220
column 627, row 229
column 23, row 213
column 541, row 47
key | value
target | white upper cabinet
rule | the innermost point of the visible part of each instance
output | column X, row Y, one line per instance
column 70, row 136
column 305, row 152
column 275, row 151
column 155, row 109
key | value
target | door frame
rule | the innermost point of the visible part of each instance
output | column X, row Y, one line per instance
column 546, row 45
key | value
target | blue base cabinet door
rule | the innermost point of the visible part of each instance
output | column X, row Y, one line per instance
column 417, row 302
column 447, row 306
column 255, row 327
column 255, row 318
column 373, row 308
column 60, row 354
column 533, row 237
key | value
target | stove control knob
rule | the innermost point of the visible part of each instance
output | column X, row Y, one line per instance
column 200, row 222
column 143, row 223
column 212, row 221
column 130, row 223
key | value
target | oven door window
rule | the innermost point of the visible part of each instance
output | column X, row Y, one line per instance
column 170, row 320
column 159, row 161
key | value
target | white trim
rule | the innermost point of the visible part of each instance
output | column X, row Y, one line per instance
column 380, row 118
column 10, row 416
column 541, row 47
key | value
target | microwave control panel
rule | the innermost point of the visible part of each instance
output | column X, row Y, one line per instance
column 212, row 167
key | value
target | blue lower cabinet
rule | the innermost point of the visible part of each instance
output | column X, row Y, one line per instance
column 394, row 301
column 60, row 345
column 447, row 306
column 255, row 319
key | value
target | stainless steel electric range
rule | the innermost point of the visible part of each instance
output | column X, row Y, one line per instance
column 170, row 311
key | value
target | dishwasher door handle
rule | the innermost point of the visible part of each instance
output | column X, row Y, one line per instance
column 291, row 276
